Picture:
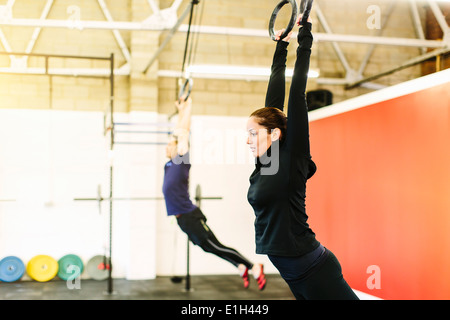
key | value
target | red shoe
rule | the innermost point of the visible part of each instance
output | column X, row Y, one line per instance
column 246, row 279
column 261, row 279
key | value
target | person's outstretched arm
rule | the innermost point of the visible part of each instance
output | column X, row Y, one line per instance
column 183, row 126
column 298, row 126
column 277, row 83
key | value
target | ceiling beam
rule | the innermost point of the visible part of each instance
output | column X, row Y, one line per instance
column 168, row 38
column 417, row 23
column 438, row 14
column 407, row 64
column 121, row 43
column 215, row 30
column 321, row 37
column 378, row 33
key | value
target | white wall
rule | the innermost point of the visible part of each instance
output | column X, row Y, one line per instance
column 221, row 164
column 48, row 158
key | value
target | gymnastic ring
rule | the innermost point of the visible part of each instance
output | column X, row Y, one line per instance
column 291, row 22
column 188, row 84
column 305, row 10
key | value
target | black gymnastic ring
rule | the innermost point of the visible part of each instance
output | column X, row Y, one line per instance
column 188, row 84
column 302, row 6
column 291, row 22
column 305, row 10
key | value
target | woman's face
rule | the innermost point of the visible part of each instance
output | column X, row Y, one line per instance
column 259, row 139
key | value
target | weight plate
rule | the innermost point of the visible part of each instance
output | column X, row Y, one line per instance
column 98, row 267
column 42, row 268
column 11, row 269
column 70, row 267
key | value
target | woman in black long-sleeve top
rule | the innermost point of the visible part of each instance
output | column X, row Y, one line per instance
column 278, row 183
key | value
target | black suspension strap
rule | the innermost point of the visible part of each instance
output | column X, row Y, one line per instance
column 186, row 87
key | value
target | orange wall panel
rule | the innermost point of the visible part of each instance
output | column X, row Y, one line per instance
column 381, row 194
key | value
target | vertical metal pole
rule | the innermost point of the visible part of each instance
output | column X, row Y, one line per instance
column 110, row 281
column 188, row 277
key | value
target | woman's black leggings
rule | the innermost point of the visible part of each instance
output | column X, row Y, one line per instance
column 194, row 225
column 324, row 281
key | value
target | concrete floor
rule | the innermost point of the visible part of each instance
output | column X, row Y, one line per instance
column 210, row 287
column 212, row 296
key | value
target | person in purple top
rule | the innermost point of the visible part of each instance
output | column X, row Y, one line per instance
column 189, row 217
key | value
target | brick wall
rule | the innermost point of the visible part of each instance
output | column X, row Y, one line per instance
column 148, row 92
